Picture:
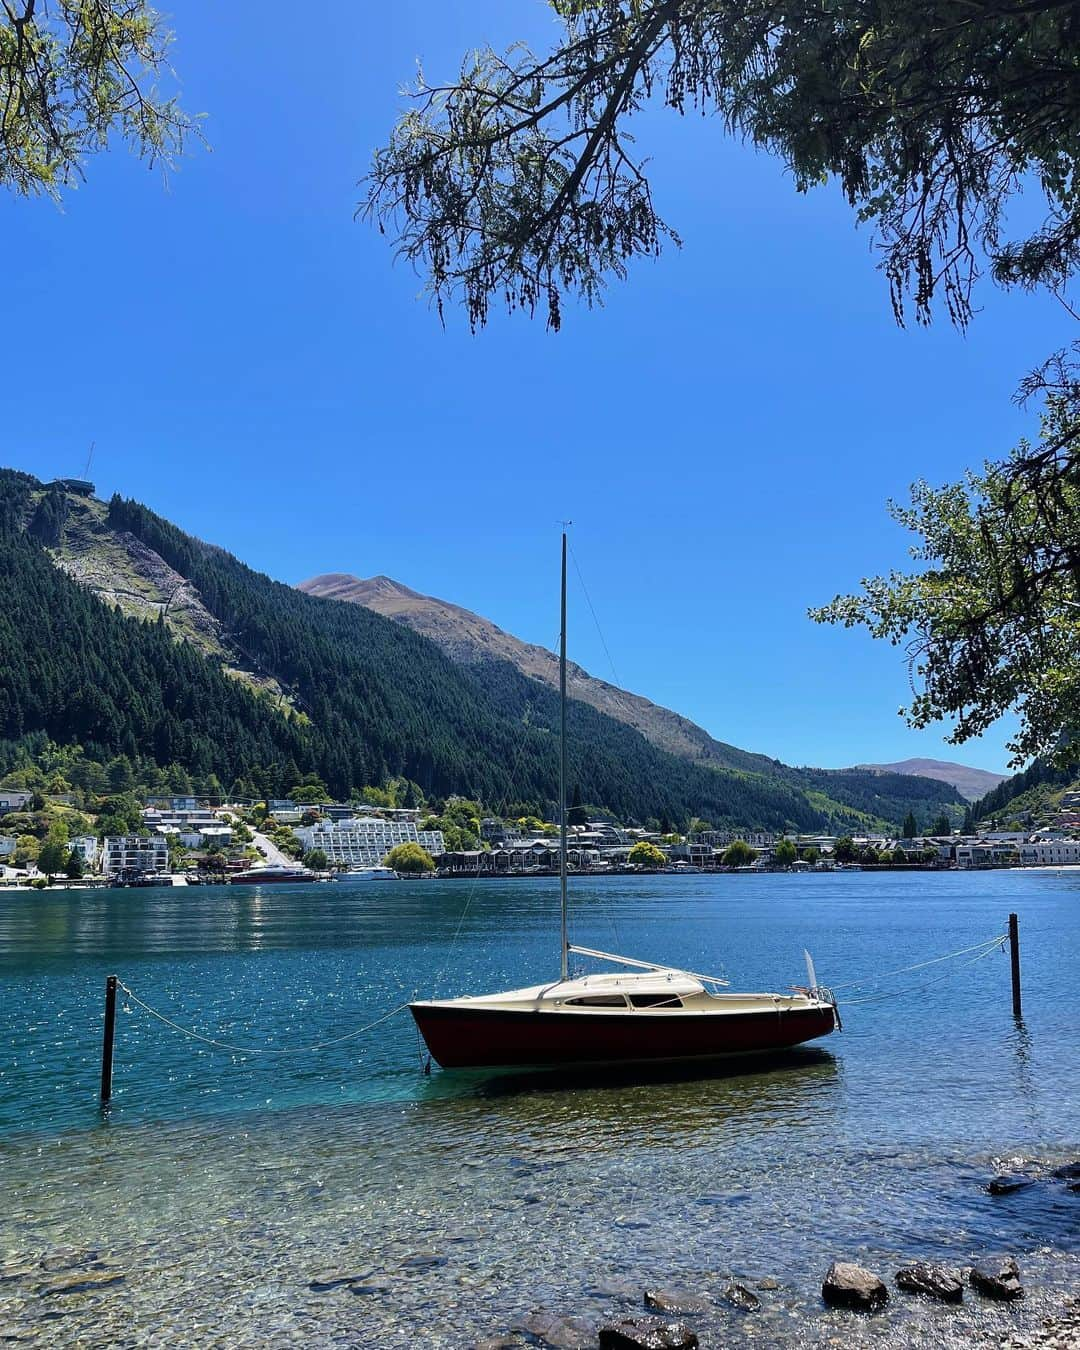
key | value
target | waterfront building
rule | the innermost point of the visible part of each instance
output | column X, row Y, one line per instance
column 88, row 849
column 132, row 854
column 1051, row 853
column 364, row 841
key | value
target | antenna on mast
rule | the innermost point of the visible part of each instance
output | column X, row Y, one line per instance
column 89, row 459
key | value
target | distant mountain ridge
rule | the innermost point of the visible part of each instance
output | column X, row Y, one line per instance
column 470, row 639
column 972, row 784
column 852, row 798
column 137, row 642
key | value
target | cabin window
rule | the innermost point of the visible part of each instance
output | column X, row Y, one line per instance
column 655, row 1001
column 597, row 1001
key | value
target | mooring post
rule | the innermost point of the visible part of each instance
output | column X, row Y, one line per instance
column 1014, row 953
column 107, row 1040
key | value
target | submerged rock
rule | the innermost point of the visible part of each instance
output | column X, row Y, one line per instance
column 82, row 1283
column 738, row 1296
column 331, row 1279
column 423, row 1261
column 933, row 1281
column 18, row 1271
column 847, row 1285
column 674, row 1301
column 1067, row 1172
column 646, row 1333
column 997, row 1277
column 1006, row 1183
column 558, row 1332
column 767, row 1285
column 70, row 1258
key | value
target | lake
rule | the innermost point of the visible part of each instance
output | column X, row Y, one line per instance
column 222, row 1184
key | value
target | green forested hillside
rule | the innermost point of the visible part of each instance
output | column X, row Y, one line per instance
column 366, row 699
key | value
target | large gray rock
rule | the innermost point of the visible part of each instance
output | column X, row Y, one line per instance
column 646, row 1333
column 1067, row 1172
column 675, row 1301
column 847, row 1285
column 997, row 1277
column 933, row 1281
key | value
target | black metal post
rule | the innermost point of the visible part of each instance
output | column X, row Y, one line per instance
column 1014, row 953
column 107, row 1040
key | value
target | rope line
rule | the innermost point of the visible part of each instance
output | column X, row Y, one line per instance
column 918, row 989
column 257, row 1050
column 990, row 943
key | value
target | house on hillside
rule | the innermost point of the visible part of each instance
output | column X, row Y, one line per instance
column 11, row 800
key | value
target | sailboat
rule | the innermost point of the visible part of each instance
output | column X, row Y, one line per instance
column 642, row 1013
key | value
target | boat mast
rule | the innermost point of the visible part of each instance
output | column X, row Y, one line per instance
column 564, row 951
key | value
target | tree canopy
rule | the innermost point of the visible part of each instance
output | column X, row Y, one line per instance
column 785, row 853
column 72, row 76
column 990, row 618
column 409, row 858
column 646, row 854
column 738, row 854
column 520, row 180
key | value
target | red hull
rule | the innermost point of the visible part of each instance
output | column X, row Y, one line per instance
column 473, row 1038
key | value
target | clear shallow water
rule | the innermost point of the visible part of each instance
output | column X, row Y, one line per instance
column 222, row 1184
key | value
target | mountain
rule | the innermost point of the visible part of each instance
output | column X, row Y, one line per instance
column 849, row 798
column 145, row 646
column 972, row 784
column 134, row 640
column 472, row 640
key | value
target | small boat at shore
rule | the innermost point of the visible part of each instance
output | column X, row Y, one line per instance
column 368, row 874
column 645, row 1013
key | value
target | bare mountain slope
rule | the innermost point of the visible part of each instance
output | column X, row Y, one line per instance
column 973, row 784
column 471, row 639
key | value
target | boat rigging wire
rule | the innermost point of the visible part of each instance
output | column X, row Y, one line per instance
column 251, row 1049
column 996, row 945
column 989, row 943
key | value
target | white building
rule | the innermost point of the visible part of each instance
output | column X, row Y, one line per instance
column 207, row 834
column 133, row 854
column 88, row 849
column 366, row 840
column 1051, row 853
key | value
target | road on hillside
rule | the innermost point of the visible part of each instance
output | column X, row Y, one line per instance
column 271, row 852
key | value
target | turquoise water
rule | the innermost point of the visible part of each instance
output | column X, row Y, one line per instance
column 222, row 1183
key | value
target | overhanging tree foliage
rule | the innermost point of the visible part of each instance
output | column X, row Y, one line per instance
column 74, row 73
column 520, row 180
column 991, row 618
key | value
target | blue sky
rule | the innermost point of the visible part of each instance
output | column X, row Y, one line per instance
column 724, row 432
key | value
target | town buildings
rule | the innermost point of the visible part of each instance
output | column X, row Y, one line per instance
column 364, row 841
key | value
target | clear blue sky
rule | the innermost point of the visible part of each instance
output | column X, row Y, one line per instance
column 724, row 432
